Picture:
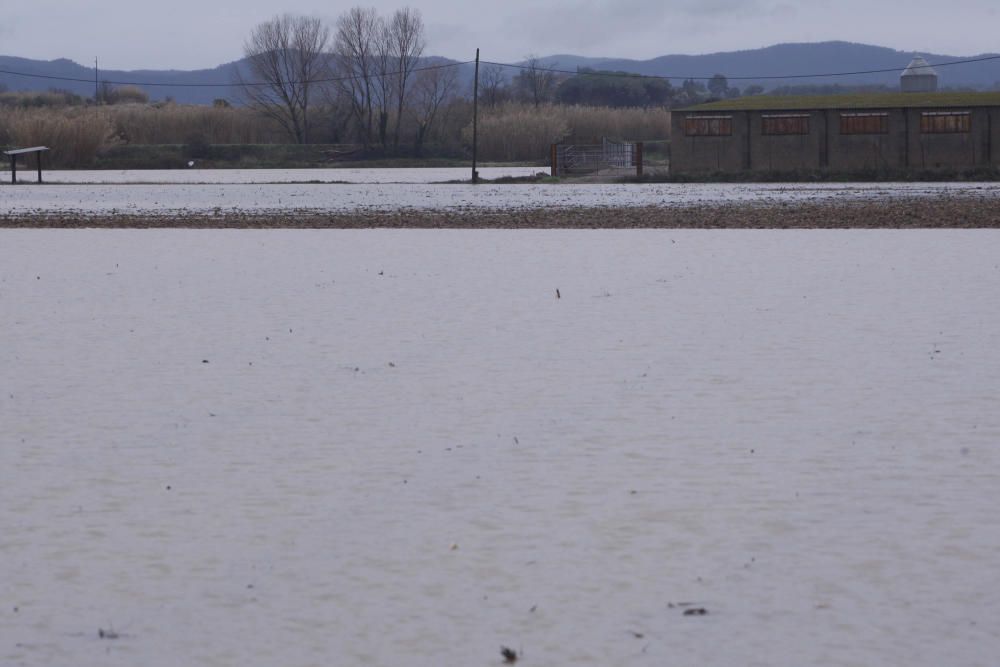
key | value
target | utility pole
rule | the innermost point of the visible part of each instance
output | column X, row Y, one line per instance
column 97, row 88
column 475, row 121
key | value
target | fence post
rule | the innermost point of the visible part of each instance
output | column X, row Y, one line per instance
column 555, row 159
column 638, row 159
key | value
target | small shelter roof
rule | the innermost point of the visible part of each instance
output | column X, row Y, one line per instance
column 22, row 151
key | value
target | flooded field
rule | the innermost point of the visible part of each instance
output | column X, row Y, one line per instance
column 134, row 196
column 338, row 175
column 389, row 447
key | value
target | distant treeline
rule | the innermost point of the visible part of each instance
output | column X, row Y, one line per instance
column 537, row 84
column 56, row 97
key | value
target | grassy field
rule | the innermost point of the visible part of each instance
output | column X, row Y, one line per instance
column 854, row 101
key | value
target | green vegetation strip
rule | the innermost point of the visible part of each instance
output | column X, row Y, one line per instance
column 853, row 101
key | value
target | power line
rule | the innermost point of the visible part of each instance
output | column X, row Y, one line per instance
column 733, row 78
column 553, row 70
column 229, row 84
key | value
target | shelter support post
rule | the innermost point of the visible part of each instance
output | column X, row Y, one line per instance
column 13, row 169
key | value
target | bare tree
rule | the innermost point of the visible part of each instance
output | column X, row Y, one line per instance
column 491, row 85
column 376, row 59
column 433, row 89
column 383, row 89
column 285, row 58
column 405, row 31
column 355, row 54
column 537, row 83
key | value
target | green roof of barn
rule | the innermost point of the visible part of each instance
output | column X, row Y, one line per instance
column 851, row 101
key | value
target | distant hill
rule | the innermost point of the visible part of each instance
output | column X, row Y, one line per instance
column 169, row 83
column 781, row 60
column 786, row 60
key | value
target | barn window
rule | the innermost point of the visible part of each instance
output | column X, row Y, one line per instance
column 790, row 123
column 708, row 126
column 864, row 123
column 945, row 122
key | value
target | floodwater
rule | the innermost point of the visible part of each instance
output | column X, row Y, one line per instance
column 289, row 191
column 422, row 175
column 392, row 447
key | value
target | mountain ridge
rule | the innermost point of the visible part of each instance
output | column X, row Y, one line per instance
column 768, row 66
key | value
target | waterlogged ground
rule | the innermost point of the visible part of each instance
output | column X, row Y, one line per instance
column 393, row 447
column 234, row 192
column 420, row 175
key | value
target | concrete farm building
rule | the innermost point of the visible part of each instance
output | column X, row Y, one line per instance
column 838, row 133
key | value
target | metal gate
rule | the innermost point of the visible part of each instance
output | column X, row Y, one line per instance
column 570, row 159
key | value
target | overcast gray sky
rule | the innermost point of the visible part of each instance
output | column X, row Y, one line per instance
column 192, row 34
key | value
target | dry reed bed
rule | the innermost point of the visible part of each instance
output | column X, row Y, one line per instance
column 511, row 132
column 903, row 213
column 515, row 132
column 77, row 134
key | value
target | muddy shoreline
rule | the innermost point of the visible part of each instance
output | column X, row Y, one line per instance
column 961, row 212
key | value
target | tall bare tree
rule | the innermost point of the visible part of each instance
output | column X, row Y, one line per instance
column 356, row 55
column 491, row 85
column 376, row 59
column 405, row 31
column 433, row 89
column 384, row 91
column 285, row 58
column 536, row 81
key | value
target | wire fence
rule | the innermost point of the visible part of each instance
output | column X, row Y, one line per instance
column 578, row 159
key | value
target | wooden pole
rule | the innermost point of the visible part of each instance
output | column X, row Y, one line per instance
column 13, row 169
column 555, row 159
column 475, row 121
column 38, row 162
column 638, row 159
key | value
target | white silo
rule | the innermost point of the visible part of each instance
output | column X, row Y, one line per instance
column 918, row 77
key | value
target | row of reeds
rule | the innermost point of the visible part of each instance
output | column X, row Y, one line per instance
column 74, row 135
column 182, row 124
column 520, row 132
column 512, row 132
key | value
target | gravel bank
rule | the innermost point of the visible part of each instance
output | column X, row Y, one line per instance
column 965, row 211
